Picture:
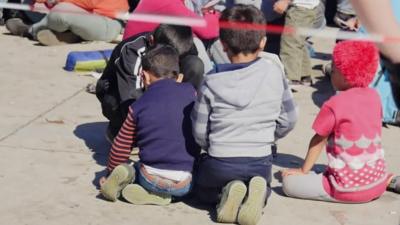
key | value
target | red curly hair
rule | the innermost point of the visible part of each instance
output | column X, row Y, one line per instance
column 357, row 61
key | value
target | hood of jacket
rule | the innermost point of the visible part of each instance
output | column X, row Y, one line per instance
column 240, row 86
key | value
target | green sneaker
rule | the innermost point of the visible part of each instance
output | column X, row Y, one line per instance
column 232, row 197
column 137, row 195
column 251, row 210
column 121, row 176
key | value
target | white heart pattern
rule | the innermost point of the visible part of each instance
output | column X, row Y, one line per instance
column 363, row 142
column 344, row 143
column 356, row 164
column 336, row 163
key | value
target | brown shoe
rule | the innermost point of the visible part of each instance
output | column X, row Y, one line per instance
column 17, row 27
column 50, row 38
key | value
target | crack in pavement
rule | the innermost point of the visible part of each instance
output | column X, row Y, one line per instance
column 42, row 114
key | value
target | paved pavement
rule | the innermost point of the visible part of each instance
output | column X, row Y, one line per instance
column 53, row 148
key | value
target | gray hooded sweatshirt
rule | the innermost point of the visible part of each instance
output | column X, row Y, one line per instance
column 241, row 113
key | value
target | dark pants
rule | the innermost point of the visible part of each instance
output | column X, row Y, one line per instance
column 27, row 16
column 273, row 39
column 214, row 173
column 116, row 111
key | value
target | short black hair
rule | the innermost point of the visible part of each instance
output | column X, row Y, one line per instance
column 162, row 61
column 239, row 40
column 179, row 37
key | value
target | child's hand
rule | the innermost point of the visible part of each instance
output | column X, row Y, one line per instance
column 289, row 172
column 353, row 23
column 281, row 6
column 102, row 181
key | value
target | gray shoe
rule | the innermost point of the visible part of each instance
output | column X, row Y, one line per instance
column 232, row 197
column 17, row 27
column 394, row 185
column 251, row 210
column 119, row 178
column 51, row 38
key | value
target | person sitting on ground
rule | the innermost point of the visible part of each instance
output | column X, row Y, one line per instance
column 120, row 83
column 349, row 125
column 241, row 110
column 71, row 21
column 159, row 123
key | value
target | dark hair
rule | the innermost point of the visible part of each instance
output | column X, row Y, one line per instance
column 239, row 40
column 162, row 61
column 179, row 37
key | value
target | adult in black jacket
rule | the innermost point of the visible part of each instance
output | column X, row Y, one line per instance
column 120, row 84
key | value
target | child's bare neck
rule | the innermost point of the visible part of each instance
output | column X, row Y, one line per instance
column 244, row 58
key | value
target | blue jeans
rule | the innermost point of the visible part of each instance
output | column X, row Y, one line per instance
column 161, row 185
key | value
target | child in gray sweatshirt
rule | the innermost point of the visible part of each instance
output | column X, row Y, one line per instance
column 242, row 109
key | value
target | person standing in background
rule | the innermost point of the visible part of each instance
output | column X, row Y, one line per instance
column 293, row 52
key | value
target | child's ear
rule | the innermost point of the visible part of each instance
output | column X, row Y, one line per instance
column 263, row 42
column 179, row 78
column 224, row 47
column 146, row 78
column 151, row 40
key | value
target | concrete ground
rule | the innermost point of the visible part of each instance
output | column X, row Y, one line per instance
column 53, row 149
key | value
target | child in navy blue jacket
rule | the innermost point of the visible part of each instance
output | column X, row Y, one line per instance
column 159, row 124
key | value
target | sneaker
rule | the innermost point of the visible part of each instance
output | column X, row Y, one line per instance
column 137, row 195
column 16, row 26
column 327, row 70
column 50, row 38
column 306, row 80
column 294, row 83
column 251, row 210
column 394, row 185
column 119, row 178
column 232, row 197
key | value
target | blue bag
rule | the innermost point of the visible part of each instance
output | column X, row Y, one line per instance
column 87, row 60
